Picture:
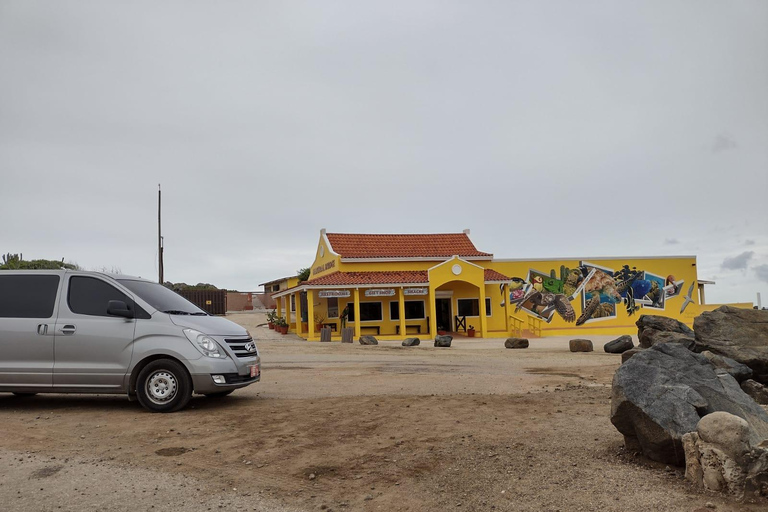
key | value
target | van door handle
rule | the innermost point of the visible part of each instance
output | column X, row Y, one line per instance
column 68, row 329
column 42, row 329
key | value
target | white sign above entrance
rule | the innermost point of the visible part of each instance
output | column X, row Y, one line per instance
column 332, row 293
column 415, row 291
column 380, row 292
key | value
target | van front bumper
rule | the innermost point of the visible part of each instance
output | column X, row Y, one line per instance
column 204, row 384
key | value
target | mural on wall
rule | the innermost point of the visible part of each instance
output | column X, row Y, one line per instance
column 602, row 291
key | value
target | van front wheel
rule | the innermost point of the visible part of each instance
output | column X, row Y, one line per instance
column 164, row 386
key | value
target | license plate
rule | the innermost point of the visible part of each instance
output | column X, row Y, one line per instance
column 254, row 370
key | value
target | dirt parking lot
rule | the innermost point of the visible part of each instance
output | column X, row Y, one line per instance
column 345, row 428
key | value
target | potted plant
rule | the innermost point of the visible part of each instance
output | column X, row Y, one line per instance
column 271, row 316
column 319, row 319
column 441, row 330
column 285, row 326
column 471, row 331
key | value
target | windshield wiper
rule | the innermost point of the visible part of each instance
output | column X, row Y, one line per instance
column 175, row 312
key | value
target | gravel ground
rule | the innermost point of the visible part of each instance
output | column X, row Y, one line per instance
column 347, row 427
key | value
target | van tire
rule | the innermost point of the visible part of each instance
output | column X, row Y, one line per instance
column 164, row 386
column 220, row 394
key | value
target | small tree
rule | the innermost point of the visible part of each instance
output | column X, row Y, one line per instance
column 303, row 274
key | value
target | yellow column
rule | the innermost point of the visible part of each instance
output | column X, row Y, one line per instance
column 311, row 314
column 298, row 313
column 507, row 309
column 483, row 318
column 279, row 306
column 288, row 309
column 432, row 312
column 401, row 308
column 357, row 313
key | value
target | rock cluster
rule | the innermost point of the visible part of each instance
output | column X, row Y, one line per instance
column 720, row 455
column 741, row 334
column 619, row 345
column 516, row 343
column 411, row 342
column 652, row 329
column 443, row 340
column 580, row 345
column 368, row 340
column 661, row 393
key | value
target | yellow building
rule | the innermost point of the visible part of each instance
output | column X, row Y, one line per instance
column 422, row 284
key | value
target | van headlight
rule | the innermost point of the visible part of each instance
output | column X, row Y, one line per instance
column 204, row 343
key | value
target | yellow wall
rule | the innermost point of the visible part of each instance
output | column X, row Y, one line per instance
column 326, row 262
column 682, row 268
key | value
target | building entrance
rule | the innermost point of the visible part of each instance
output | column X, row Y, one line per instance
column 443, row 314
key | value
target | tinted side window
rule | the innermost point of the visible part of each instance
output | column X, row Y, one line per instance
column 90, row 296
column 27, row 296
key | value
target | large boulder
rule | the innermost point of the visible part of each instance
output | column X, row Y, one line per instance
column 516, row 343
column 650, row 337
column 741, row 334
column 580, row 345
column 629, row 353
column 738, row 371
column 411, row 342
column 661, row 323
column 443, row 340
column 661, row 393
column 757, row 391
column 368, row 340
column 619, row 345
column 720, row 456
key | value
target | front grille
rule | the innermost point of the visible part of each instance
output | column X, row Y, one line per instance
column 238, row 347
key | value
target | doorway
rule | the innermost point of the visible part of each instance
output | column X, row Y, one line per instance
column 443, row 314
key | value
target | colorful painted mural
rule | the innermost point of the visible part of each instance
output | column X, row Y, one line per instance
column 601, row 291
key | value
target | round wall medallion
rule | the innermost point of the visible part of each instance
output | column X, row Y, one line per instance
column 456, row 269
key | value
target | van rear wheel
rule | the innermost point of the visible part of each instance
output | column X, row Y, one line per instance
column 164, row 386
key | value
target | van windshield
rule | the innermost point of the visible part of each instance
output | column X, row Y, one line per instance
column 161, row 298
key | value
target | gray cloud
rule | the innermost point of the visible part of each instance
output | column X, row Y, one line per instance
column 723, row 143
column 738, row 262
column 671, row 241
column 761, row 271
column 749, row 242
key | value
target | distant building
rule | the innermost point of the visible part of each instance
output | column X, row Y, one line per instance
column 422, row 284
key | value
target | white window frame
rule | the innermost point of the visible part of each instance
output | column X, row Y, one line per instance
column 293, row 303
column 408, row 319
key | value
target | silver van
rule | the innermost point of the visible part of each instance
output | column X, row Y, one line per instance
column 64, row 331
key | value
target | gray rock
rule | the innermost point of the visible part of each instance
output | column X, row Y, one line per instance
column 661, row 393
column 411, row 342
column 738, row 371
column 368, row 340
column 757, row 391
column 741, row 334
column 443, row 340
column 516, row 343
column 661, row 323
column 619, row 345
column 629, row 353
column 580, row 345
column 650, row 337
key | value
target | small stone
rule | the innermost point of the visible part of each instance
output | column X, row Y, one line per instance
column 312, row 476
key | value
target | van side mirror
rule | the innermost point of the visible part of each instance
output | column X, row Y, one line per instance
column 119, row 308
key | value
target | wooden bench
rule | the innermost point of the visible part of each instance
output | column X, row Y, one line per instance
column 414, row 326
column 373, row 327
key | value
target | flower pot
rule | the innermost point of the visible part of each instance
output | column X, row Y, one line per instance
column 271, row 325
column 442, row 333
column 471, row 333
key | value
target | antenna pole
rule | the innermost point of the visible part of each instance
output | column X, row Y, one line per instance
column 159, row 234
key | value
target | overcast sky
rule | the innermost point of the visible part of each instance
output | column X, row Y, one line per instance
column 550, row 129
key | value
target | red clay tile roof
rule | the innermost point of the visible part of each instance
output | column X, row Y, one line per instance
column 438, row 246
column 492, row 275
column 368, row 278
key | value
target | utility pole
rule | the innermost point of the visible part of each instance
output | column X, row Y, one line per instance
column 159, row 233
